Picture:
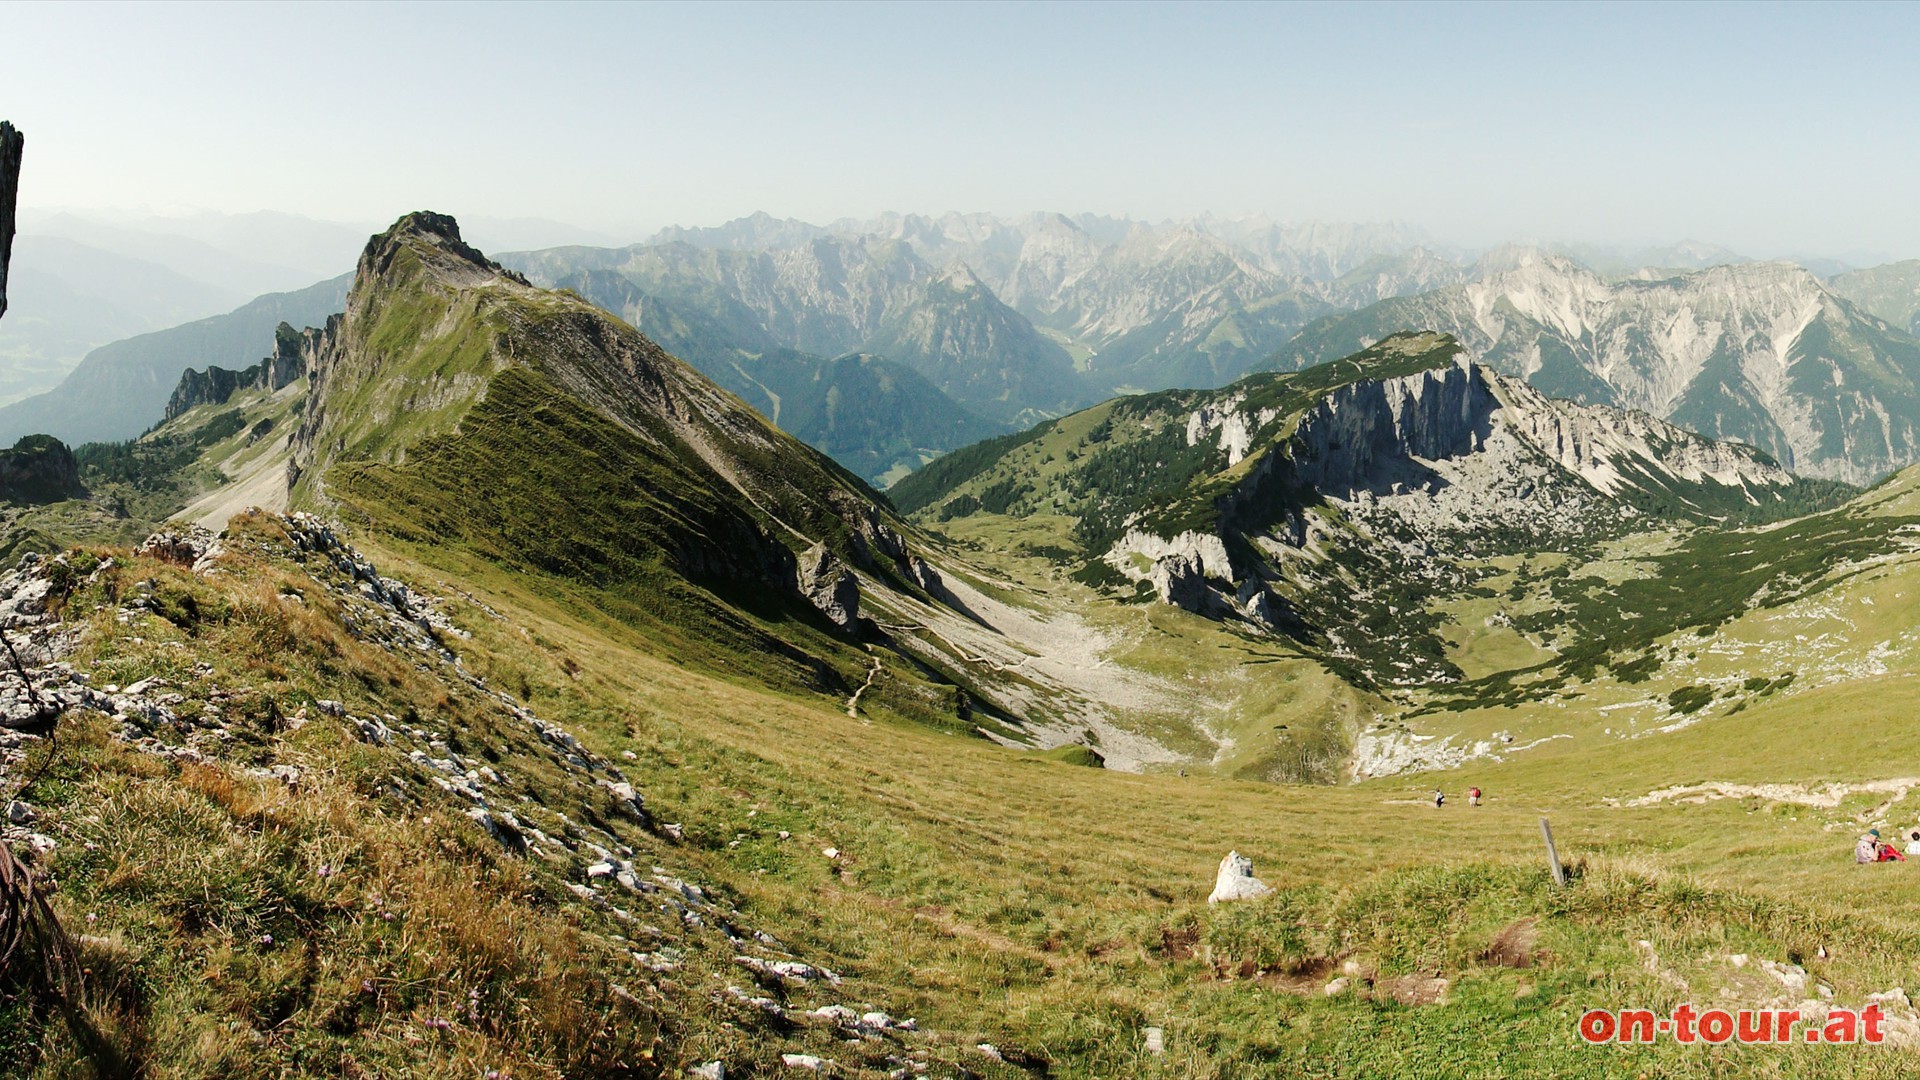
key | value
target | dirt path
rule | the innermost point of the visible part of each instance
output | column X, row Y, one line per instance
column 1824, row 798
column 853, row 703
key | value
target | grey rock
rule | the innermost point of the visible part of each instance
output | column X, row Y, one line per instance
column 181, row 547
column 292, row 353
column 829, row 586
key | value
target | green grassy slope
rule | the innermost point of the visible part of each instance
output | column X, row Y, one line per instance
column 1055, row 912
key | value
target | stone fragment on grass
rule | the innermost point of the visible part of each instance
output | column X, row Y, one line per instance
column 1896, row 997
column 1235, row 880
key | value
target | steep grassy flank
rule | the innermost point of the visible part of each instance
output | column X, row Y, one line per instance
column 928, row 485
column 432, row 350
column 536, row 482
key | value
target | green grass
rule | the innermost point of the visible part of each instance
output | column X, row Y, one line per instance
column 1050, row 910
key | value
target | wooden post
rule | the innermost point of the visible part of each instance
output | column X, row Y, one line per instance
column 1553, row 857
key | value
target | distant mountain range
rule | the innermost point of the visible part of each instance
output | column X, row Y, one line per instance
column 69, row 298
column 1891, row 292
column 1763, row 353
column 892, row 340
column 1014, row 319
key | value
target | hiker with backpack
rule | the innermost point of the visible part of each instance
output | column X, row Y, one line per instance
column 1872, row 849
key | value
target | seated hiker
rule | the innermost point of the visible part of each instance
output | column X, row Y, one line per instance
column 1872, row 849
column 1913, row 843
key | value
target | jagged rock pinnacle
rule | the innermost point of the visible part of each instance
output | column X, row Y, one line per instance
column 11, row 143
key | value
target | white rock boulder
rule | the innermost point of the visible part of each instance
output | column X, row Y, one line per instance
column 1236, row 881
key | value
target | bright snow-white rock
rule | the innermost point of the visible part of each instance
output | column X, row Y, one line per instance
column 1235, row 881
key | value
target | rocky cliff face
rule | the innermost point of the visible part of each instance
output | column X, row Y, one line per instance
column 11, row 145
column 293, row 352
column 1334, row 504
column 1374, row 435
column 1386, row 485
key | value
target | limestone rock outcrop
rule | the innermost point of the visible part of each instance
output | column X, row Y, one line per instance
column 1235, row 881
column 294, row 351
column 829, row 586
column 1419, row 461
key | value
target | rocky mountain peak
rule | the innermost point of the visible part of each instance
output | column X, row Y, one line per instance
column 1530, row 258
column 434, row 240
column 294, row 353
column 960, row 277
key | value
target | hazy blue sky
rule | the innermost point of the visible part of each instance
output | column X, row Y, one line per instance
column 1771, row 129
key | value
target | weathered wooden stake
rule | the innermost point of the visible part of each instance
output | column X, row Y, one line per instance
column 1553, row 857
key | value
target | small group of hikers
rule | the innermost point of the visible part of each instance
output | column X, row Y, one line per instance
column 1440, row 797
column 1872, row 849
